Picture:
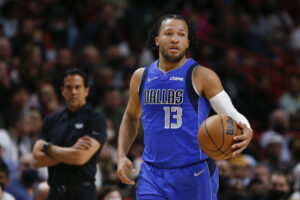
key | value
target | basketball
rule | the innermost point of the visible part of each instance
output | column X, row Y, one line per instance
column 215, row 136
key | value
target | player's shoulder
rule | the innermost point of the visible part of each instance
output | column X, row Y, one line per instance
column 55, row 115
column 95, row 115
column 137, row 76
column 203, row 70
column 138, row 73
column 204, row 73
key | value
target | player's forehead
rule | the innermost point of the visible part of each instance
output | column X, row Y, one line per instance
column 73, row 79
column 174, row 24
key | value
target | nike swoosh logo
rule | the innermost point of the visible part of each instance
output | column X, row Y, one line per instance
column 95, row 133
column 198, row 173
column 151, row 79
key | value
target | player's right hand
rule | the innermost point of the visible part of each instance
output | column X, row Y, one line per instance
column 124, row 168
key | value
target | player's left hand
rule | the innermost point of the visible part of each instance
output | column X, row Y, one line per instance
column 242, row 140
column 83, row 143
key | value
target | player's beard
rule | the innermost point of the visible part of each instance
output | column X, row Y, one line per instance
column 172, row 58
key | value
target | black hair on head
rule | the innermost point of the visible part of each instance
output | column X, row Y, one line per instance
column 4, row 167
column 74, row 71
column 155, row 29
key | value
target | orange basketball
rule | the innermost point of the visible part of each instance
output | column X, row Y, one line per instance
column 215, row 136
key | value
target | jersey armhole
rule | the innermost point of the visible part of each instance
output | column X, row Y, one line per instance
column 141, row 87
column 195, row 89
column 191, row 90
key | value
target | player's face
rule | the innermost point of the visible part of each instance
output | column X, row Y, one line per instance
column 74, row 91
column 173, row 40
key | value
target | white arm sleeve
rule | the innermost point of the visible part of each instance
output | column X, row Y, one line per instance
column 222, row 104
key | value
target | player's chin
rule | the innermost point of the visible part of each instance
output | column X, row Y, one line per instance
column 175, row 57
column 73, row 103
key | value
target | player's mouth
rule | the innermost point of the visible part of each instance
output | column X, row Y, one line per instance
column 174, row 49
column 73, row 99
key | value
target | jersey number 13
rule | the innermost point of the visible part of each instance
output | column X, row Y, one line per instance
column 173, row 113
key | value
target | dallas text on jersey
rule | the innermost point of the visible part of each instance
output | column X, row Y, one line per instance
column 163, row 96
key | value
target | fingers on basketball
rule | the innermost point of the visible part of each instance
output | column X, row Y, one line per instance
column 215, row 136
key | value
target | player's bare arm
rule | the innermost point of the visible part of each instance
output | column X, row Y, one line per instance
column 40, row 159
column 129, row 127
column 78, row 154
column 208, row 84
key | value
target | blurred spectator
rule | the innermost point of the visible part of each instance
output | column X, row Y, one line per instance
column 294, row 147
column 257, row 190
column 63, row 61
column 108, row 156
column 16, row 141
column 103, row 79
column 290, row 101
column 279, row 123
column 108, row 165
column 111, row 107
column 61, row 31
column 5, row 49
column 224, row 177
column 22, row 187
column 24, row 36
column 19, row 101
column 42, row 190
column 295, row 196
column 35, row 10
column 261, row 172
column 236, row 190
column 240, row 169
column 296, row 177
column 5, row 86
column 4, row 181
column 249, row 39
column 110, row 192
column 233, row 81
column 226, row 29
column 295, row 41
column 273, row 148
column 48, row 99
column 34, row 118
column 9, row 20
column 261, row 102
column 279, row 186
column 90, row 59
column 278, row 24
column 33, row 71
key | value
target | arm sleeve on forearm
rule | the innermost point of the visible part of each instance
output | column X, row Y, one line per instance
column 222, row 104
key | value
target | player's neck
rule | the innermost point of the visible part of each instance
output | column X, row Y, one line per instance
column 166, row 66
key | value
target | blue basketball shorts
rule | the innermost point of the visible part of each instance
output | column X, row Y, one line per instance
column 194, row 182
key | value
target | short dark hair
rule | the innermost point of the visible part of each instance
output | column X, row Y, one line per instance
column 4, row 168
column 154, row 31
column 74, row 71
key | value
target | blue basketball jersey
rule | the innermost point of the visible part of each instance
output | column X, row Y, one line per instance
column 171, row 114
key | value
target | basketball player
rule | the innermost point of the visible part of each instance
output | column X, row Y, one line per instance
column 173, row 97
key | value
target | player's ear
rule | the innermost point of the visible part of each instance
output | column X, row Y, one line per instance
column 87, row 91
column 156, row 41
column 62, row 91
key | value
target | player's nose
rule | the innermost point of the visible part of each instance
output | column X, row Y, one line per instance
column 174, row 38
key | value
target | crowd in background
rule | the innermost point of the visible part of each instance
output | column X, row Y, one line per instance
column 253, row 45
